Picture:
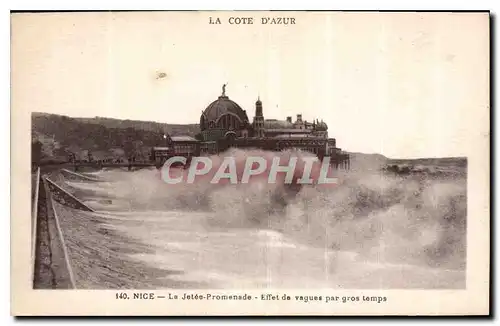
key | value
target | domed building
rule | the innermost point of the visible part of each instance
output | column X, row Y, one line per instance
column 224, row 124
column 223, row 118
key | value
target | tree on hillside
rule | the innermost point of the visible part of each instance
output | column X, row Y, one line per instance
column 137, row 152
column 60, row 134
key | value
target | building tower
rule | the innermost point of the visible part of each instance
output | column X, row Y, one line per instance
column 258, row 119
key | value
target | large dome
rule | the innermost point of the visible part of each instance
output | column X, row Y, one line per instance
column 223, row 113
column 221, row 106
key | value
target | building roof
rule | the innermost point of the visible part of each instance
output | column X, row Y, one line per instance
column 290, row 131
column 223, row 105
column 277, row 124
column 183, row 139
column 298, row 136
column 321, row 126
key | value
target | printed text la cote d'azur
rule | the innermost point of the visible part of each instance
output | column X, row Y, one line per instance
column 252, row 20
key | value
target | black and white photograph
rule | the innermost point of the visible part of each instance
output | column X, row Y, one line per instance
column 238, row 156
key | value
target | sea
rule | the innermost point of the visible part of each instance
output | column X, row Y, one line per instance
column 372, row 230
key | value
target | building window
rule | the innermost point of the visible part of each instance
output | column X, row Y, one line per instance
column 184, row 149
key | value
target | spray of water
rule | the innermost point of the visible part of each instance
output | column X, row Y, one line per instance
column 379, row 217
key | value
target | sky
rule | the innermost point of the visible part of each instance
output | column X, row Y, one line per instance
column 403, row 85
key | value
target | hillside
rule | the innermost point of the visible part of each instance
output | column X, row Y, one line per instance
column 173, row 129
column 442, row 161
column 363, row 161
column 104, row 137
column 430, row 167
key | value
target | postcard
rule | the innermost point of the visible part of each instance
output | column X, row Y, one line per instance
column 250, row 163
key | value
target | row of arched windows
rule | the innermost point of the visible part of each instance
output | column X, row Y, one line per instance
column 227, row 121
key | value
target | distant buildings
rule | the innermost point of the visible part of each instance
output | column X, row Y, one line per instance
column 224, row 124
